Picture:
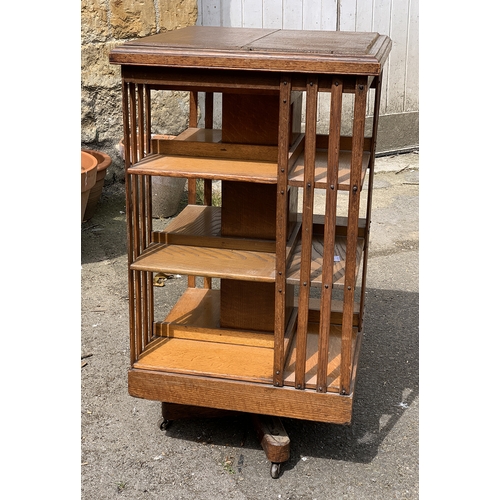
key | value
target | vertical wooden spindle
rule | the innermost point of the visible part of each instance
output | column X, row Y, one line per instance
column 149, row 211
column 360, row 94
column 281, row 228
column 378, row 92
column 129, row 218
column 329, row 232
column 307, row 229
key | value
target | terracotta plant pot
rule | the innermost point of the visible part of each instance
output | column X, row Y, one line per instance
column 103, row 162
column 88, row 177
column 166, row 191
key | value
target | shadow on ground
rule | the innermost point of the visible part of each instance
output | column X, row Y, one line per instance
column 387, row 384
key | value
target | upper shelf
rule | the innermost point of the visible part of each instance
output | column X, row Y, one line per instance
column 206, row 168
column 199, row 153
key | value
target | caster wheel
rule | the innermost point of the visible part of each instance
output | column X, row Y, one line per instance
column 275, row 470
column 164, row 424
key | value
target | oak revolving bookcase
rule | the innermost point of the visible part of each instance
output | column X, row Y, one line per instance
column 271, row 320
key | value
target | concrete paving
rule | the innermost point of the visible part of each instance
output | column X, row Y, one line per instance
column 124, row 453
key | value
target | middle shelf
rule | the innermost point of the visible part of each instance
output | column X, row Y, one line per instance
column 192, row 245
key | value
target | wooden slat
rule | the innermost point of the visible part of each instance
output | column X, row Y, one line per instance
column 129, row 218
column 378, row 91
column 193, row 109
column 207, row 183
column 307, row 230
column 193, row 122
column 209, row 110
column 143, row 216
column 355, row 361
column 210, row 262
column 352, row 224
column 136, row 297
column 281, row 228
column 332, row 181
column 149, row 210
column 192, row 201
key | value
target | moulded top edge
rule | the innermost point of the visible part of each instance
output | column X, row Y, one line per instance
column 258, row 49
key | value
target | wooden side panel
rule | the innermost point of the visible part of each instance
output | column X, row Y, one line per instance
column 248, row 210
column 247, row 305
column 240, row 396
column 250, row 305
column 253, row 119
column 250, row 119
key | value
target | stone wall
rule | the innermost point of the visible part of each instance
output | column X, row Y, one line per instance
column 104, row 25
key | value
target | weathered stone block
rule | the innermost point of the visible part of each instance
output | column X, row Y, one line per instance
column 94, row 21
column 132, row 18
column 174, row 14
column 169, row 112
column 96, row 69
column 105, row 24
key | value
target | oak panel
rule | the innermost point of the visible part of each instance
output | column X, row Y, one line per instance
column 240, row 396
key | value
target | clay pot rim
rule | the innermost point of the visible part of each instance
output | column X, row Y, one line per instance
column 88, row 171
column 103, row 159
column 92, row 163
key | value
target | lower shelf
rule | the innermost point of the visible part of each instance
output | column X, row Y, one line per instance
column 209, row 359
column 190, row 341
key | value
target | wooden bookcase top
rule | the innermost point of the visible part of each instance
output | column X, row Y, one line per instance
column 302, row 51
